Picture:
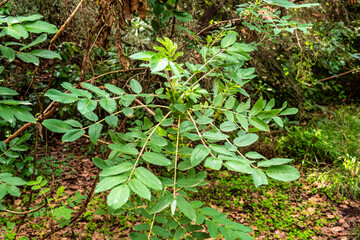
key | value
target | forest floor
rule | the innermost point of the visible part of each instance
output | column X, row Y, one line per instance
column 300, row 210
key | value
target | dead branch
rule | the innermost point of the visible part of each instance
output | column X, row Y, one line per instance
column 66, row 23
column 3, row 2
column 27, row 212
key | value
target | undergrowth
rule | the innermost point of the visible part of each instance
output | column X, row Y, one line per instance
column 329, row 143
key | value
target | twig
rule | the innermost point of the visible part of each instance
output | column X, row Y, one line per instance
column 173, row 21
column 3, row 2
column 117, row 71
column 48, row 112
column 338, row 75
column 100, row 141
column 66, row 23
column 27, row 212
column 144, row 106
column 218, row 23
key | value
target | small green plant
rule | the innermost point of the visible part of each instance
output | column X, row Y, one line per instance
column 160, row 157
column 195, row 128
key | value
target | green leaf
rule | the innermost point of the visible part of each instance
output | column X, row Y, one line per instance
column 259, row 124
column 14, row 102
column 8, row 53
column 114, row 89
column 212, row 228
column 118, row 196
column 96, row 90
column 148, row 178
column 156, row 159
column 228, row 126
column 6, row 113
column 40, row 27
column 73, row 135
column 230, row 102
column 86, row 105
column 179, row 233
column 180, row 107
column 112, row 121
column 204, row 120
column 142, row 227
column 3, row 191
column 199, row 153
column 142, row 55
column 213, row 163
column 274, row 162
column 217, row 100
column 140, row 189
column 238, row 167
column 163, row 203
column 259, row 177
column 28, row 58
column 16, row 181
column 100, row 163
column 30, row 18
column 278, row 121
column 287, row 4
column 258, row 106
column 109, row 104
column 135, row 86
column 284, row 173
column 208, row 211
column 45, row 54
column 23, row 114
column 242, row 121
column 56, row 125
column 74, row 123
column 13, row 190
column 124, row 149
column 228, row 40
column 211, row 136
column 157, row 63
column 182, row 16
column 246, row 140
column 4, row 91
column 128, row 112
column 19, row 148
column 190, row 182
column 63, row 212
column 117, row 169
column 254, row 155
column 186, row 208
column 109, row 183
column 16, row 31
column 289, row 111
column 94, row 132
column 38, row 40
column 268, row 114
column 270, row 105
column 58, row 96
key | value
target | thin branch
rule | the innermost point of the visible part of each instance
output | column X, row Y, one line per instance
column 218, row 23
column 27, row 212
column 117, row 71
column 144, row 106
column 3, row 2
column 176, row 154
column 144, row 146
column 66, row 23
column 48, row 112
column 338, row 75
column 99, row 140
column 173, row 21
